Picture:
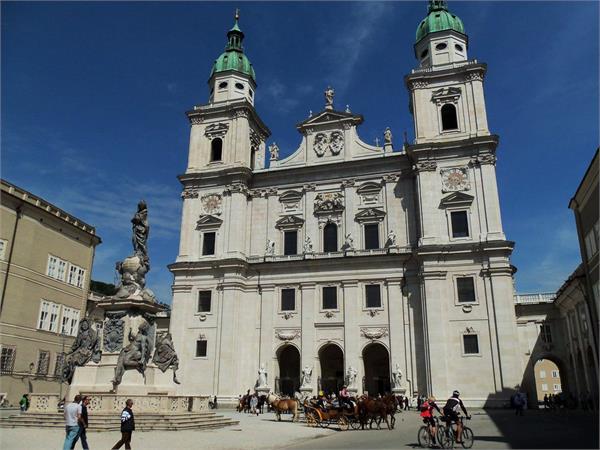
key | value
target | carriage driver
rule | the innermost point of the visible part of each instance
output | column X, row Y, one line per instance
column 345, row 397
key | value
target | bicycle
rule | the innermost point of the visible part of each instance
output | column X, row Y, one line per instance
column 447, row 434
column 425, row 434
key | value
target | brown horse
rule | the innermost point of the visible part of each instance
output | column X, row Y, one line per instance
column 374, row 409
column 391, row 404
column 283, row 405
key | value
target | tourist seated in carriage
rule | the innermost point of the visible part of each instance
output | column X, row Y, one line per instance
column 344, row 397
column 322, row 401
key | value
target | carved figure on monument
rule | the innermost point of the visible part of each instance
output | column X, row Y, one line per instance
column 306, row 376
column 308, row 247
column 113, row 334
column 348, row 242
column 136, row 355
column 274, row 151
column 262, row 376
column 336, row 142
column 133, row 269
column 86, row 348
column 165, row 356
column 387, row 136
column 320, row 144
column 391, row 239
column 397, row 376
column 329, row 93
column 351, row 375
column 270, row 249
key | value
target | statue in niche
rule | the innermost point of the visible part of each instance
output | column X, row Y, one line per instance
column 274, row 151
column 86, row 348
column 262, row 376
column 165, row 356
column 348, row 242
column 308, row 246
column 387, row 136
column 136, row 355
column 351, row 375
column 391, row 239
column 329, row 93
column 270, row 249
column 397, row 376
column 306, row 376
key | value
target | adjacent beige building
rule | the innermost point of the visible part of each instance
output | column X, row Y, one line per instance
column 46, row 257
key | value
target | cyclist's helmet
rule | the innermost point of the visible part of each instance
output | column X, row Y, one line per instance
column 455, row 394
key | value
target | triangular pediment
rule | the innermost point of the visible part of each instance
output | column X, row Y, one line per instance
column 329, row 116
column 456, row 199
column 289, row 222
column 208, row 221
column 370, row 214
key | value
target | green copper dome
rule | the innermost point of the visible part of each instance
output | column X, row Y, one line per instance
column 439, row 19
column 233, row 58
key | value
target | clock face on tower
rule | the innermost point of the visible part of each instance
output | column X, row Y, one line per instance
column 212, row 204
column 455, row 179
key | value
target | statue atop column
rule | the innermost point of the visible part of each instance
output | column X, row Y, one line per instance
column 329, row 93
column 134, row 268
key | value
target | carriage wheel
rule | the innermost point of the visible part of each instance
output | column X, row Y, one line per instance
column 324, row 423
column 311, row 421
column 354, row 423
column 343, row 423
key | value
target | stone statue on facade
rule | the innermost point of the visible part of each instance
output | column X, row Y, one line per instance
column 274, row 151
column 270, row 249
column 397, row 376
column 262, row 376
column 391, row 239
column 351, row 375
column 306, row 376
column 113, row 334
column 136, row 355
column 165, row 356
column 133, row 269
column 86, row 348
column 387, row 136
column 348, row 242
column 329, row 93
column 308, row 247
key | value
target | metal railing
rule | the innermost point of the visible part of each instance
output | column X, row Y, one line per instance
column 529, row 299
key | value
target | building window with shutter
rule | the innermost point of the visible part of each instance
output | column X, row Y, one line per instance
column 201, row 348
column 204, row 301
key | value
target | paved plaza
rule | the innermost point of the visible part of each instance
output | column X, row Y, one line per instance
column 493, row 429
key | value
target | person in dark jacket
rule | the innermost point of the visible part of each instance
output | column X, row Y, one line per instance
column 127, row 426
column 83, row 424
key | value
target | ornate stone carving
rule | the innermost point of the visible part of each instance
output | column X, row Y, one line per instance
column 270, row 248
column 86, row 348
column 474, row 76
column 289, row 222
column 446, row 95
column 240, row 113
column 387, row 136
column 329, row 314
column 216, row 130
column 306, row 376
column 165, row 356
column 309, row 187
column 418, row 84
column 391, row 178
column 255, row 139
column 372, row 334
column 262, row 376
column 320, row 144
column 208, row 221
column 351, row 375
column 196, row 120
column 349, row 182
column 236, row 188
column 484, row 159
column 348, row 242
column 327, row 202
column 113, row 334
column 334, row 142
column 212, row 204
column 425, row 166
column 455, row 179
column 189, row 193
column 274, row 151
column 287, row 335
column 370, row 215
column 397, row 376
column 308, row 246
column 329, row 93
column 136, row 355
column 391, row 239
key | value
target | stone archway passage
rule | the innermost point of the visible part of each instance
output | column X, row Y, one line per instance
column 331, row 358
column 377, row 369
column 289, row 370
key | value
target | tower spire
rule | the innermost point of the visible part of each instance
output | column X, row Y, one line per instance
column 438, row 5
column 235, row 36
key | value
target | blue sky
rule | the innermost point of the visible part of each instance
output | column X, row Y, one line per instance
column 94, row 94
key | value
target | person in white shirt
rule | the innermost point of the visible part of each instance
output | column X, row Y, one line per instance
column 72, row 418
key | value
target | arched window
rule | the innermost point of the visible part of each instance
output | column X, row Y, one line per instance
column 449, row 119
column 216, row 149
column 330, row 238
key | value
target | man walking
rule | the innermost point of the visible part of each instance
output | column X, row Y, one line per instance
column 72, row 417
column 83, row 424
column 127, row 426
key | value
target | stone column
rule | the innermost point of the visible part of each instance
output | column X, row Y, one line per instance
column 228, row 373
column 428, row 202
column 308, row 315
column 491, row 198
column 351, row 313
column 395, row 305
column 267, row 312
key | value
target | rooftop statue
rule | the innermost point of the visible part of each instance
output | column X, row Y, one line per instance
column 329, row 93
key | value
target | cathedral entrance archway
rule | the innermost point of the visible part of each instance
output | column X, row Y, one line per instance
column 376, row 360
column 288, row 358
column 331, row 358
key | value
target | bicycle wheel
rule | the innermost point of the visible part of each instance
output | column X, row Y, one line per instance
column 467, row 437
column 423, row 437
column 445, row 436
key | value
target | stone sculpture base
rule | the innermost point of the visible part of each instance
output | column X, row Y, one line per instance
column 399, row 391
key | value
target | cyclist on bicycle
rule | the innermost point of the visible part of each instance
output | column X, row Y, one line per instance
column 427, row 408
column 451, row 409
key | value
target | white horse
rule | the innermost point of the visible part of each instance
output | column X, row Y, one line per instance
column 283, row 405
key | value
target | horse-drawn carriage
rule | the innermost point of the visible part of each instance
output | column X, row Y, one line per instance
column 344, row 417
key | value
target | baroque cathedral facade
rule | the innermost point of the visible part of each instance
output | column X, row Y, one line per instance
column 385, row 268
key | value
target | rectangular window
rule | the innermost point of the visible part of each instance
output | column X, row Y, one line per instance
column 471, row 344
column 204, row 301
column 330, row 297
column 290, row 242
column 555, row 374
column 201, row 348
column 371, row 236
column 208, row 243
column 44, row 320
column 544, row 387
column 7, row 359
column 3, row 245
column 76, row 276
column 57, row 268
column 58, row 365
column 43, row 362
column 542, row 374
column 53, row 319
column 373, row 295
column 556, row 387
column 465, row 287
column 460, row 224
column 546, row 333
column 69, row 321
column 591, row 244
column 288, row 299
